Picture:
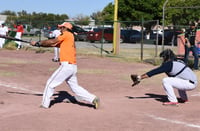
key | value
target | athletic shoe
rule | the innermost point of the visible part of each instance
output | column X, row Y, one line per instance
column 55, row 60
column 41, row 106
column 96, row 102
column 170, row 103
column 183, row 101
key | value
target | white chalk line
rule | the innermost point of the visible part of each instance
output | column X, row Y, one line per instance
column 19, row 88
column 198, row 94
column 174, row 121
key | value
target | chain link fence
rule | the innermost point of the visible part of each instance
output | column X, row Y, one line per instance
column 138, row 39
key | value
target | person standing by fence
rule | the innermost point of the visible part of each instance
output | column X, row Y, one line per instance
column 190, row 40
column 19, row 32
column 4, row 32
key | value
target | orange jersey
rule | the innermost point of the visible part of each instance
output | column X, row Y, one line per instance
column 67, row 47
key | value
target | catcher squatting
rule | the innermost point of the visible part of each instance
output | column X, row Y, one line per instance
column 180, row 77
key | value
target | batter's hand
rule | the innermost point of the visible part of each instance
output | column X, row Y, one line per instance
column 136, row 79
column 34, row 43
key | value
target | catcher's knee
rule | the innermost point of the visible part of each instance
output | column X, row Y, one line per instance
column 165, row 80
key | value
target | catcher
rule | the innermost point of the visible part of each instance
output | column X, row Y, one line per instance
column 180, row 77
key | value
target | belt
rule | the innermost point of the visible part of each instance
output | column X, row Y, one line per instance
column 191, row 81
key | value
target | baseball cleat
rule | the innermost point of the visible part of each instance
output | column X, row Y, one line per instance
column 96, row 102
column 41, row 106
column 170, row 103
column 55, row 60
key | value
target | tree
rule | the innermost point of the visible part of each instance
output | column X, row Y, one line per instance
column 82, row 20
column 97, row 16
column 182, row 12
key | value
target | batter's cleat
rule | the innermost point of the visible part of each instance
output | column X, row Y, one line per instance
column 96, row 102
column 41, row 106
column 170, row 103
column 55, row 60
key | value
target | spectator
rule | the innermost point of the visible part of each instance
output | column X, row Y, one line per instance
column 55, row 34
column 19, row 32
column 190, row 40
column 4, row 32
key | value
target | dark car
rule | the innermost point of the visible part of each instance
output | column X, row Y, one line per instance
column 102, row 35
column 170, row 37
column 131, row 36
column 48, row 32
column 80, row 33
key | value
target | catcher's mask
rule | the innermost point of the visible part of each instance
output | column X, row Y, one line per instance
column 167, row 55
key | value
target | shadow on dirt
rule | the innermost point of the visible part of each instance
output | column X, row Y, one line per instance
column 22, row 93
column 61, row 96
column 161, row 98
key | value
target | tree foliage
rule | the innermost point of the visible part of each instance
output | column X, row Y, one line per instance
column 82, row 20
column 136, row 10
column 35, row 19
column 176, row 13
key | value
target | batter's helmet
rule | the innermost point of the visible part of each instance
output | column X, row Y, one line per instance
column 167, row 55
column 67, row 25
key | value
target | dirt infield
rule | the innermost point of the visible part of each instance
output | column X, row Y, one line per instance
column 23, row 75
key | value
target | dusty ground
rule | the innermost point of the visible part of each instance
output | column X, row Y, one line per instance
column 23, row 75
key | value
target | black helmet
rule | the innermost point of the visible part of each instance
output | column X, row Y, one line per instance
column 167, row 54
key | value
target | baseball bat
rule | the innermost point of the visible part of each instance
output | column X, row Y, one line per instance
column 12, row 38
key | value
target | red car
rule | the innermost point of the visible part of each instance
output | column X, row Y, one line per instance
column 101, row 34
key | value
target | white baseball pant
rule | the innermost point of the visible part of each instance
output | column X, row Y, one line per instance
column 182, row 85
column 66, row 72
column 18, row 36
column 2, row 42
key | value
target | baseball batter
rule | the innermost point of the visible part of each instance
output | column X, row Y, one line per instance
column 68, row 68
column 180, row 77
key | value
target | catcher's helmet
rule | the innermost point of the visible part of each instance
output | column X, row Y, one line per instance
column 167, row 55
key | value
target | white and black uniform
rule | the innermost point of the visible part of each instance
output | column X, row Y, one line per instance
column 180, row 77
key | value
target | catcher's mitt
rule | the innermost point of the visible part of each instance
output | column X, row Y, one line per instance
column 136, row 79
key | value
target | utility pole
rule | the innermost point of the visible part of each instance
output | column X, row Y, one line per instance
column 115, row 33
column 163, row 24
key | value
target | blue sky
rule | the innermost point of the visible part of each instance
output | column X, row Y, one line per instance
column 70, row 7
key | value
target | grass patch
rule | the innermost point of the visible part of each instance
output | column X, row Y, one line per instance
column 8, row 74
column 10, row 45
column 93, row 71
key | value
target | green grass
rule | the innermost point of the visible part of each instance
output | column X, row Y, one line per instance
column 93, row 71
column 8, row 74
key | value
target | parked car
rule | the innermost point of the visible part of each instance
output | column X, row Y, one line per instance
column 102, row 35
column 48, row 32
column 170, row 37
column 89, row 29
column 132, row 36
column 79, row 33
column 29, row 30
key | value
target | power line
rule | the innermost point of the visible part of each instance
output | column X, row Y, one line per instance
column 185, row 7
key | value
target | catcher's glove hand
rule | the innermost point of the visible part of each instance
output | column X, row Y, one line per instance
column 136, row 79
